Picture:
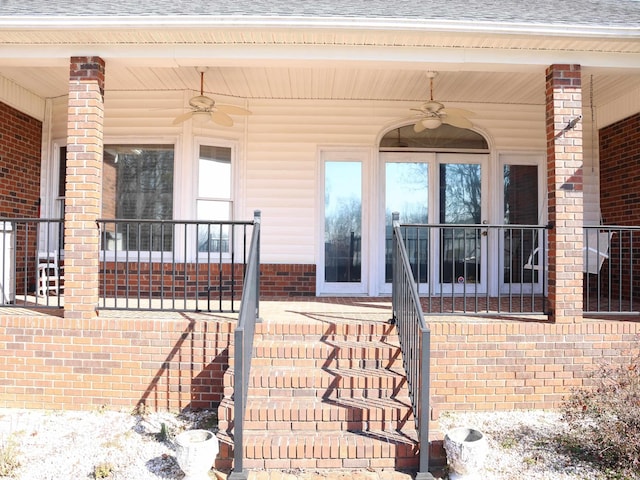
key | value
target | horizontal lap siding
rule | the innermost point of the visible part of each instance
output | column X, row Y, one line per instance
column 278, row 153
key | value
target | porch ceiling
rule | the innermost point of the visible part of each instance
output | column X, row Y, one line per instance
column 367, row 62
column 524, row 86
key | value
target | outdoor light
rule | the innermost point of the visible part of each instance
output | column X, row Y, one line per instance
column 431, row 122
column 201, row 117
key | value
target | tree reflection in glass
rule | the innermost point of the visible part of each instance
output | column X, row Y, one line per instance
column 343, row 222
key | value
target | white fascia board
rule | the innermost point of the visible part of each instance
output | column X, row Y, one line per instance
column 334, row 56
column 304, row 23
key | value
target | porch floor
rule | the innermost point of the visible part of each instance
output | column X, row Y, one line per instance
column 309, row 310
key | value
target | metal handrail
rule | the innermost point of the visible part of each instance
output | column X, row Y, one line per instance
column 243, row 349
column 415, row 342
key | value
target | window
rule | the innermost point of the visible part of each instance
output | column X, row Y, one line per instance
column 62, row 178
column 213, row 202
column 137, row 184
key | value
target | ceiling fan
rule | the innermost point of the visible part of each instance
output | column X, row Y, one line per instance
column 204, row 108
column 433, row 114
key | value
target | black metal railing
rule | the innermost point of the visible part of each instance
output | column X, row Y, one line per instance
column 172, row 265
column 31, row 263
column 612, row 270
column 243, row 349
column 415, row 341
column 478, row 269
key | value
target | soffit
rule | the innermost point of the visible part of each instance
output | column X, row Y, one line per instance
column 565, row 39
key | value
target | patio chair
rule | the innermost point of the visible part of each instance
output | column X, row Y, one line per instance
column 50, row 277
column 595, row 250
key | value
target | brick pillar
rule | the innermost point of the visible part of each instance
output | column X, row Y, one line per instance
column 83, row 186
column 565, row 192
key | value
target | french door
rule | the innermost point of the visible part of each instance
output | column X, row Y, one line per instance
column 342, row 270
column 448, row 190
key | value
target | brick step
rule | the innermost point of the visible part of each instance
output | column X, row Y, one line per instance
column 318, row 414
column 266, row 381
column 326, row 450
column 279, row 352
column 361, row 331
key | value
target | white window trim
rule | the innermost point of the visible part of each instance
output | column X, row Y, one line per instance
column 199, row 141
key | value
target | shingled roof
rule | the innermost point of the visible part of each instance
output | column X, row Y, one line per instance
column 605, row 13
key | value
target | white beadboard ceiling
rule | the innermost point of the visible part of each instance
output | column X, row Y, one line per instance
column 247, row 83
column 345, row 63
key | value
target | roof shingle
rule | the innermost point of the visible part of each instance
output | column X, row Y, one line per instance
column 611, row 13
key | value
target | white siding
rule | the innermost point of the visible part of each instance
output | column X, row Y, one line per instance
column 278, row 151
column 21, row 99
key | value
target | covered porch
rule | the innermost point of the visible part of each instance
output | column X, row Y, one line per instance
column 532, row 160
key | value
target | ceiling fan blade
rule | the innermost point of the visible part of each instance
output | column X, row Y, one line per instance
column 222, row 118
column 457, row 121
column 232, row 109
column 459, row 112
column 182, row 118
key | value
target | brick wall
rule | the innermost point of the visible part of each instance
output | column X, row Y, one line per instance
column 20, row 144
column 520, row 365
column 279, row 280
column 171, row 364
column 620, row 200
column 276, row 280
column 55, row 363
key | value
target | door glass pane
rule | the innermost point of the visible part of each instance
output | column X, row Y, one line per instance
column 407, row 192
column 520, row 208
column 343, row 222
column 460, row 203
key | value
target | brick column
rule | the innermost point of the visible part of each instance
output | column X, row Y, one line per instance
column 565, row 192
column 83, row 186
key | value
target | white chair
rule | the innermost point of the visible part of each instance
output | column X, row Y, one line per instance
column 50, row 276
column 595, row 250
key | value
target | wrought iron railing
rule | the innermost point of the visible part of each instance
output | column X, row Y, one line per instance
column 478, row 269
column 243, row 349
column 172, row 264
column 415, row 341
column 31, row 263
column 612, row 270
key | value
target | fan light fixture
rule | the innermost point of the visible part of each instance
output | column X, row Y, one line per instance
column 205, row 109
column 200, row 117
column 432, row 114
column 431, row 123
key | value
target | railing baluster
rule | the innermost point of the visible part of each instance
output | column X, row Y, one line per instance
column 414, row 338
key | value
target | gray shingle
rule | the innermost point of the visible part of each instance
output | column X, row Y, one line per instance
column 620, row 13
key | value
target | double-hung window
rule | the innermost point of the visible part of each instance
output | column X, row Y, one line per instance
column 213, row 201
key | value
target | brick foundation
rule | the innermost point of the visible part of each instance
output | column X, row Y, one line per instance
column 55, row 363
column 150, row 280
